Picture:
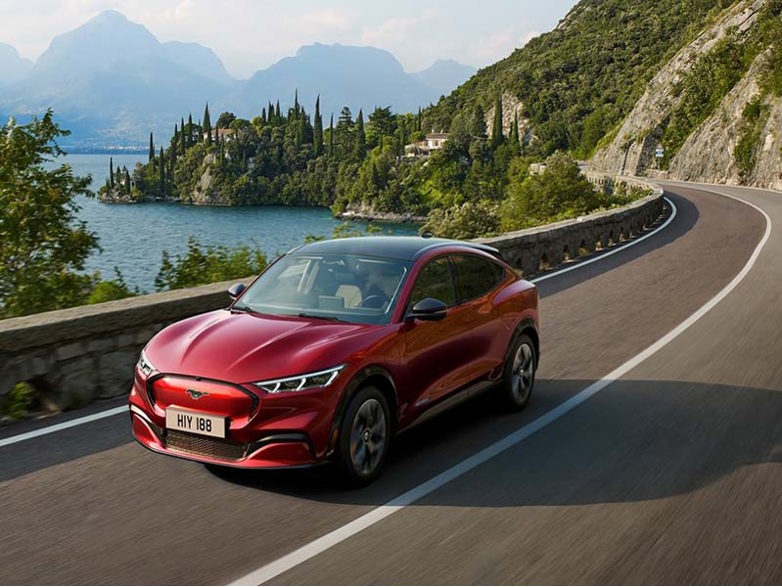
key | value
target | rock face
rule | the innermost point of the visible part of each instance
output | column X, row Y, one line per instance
column 707, row 154
column 512, row 107
column 205, row 193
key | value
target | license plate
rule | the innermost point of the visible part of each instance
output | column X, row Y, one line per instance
column 195, row 422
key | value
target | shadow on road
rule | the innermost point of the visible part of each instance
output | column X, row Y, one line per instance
column 636, row 440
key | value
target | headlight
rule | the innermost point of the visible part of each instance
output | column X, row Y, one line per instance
column 144, row 365
column 308, row 381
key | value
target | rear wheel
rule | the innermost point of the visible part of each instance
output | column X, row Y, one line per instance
column 519, row 374
column 364, row 435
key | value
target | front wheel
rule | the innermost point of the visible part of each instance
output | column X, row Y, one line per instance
column 364, row 435
column 519, row 374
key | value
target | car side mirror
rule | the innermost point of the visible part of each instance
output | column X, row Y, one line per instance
column 429, row 309
column 236, row 290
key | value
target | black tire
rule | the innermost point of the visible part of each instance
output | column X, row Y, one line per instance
column 518, row 377
column 364, row 436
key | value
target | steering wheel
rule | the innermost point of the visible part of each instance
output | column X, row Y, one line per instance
column 374, row 301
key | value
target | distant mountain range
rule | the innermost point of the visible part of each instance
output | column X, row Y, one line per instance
column 111, row 82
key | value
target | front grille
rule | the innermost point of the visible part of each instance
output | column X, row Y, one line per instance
column 215, row 448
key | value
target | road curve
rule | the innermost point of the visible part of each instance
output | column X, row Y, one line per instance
column 670, row 474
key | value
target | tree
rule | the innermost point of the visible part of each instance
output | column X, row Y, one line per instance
column 225, row 119
column 361, row 137
column 42, row 244
column 151, row 148
column 162, row 173
column 207, row 125
column 317, row 138
column 496, row 130
column 111, row 172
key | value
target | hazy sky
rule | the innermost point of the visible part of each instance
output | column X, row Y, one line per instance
column 252, row 34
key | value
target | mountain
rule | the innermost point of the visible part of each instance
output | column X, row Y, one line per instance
column 111, row 82
column 444, row 75
column 12, row 67
column 359, row 77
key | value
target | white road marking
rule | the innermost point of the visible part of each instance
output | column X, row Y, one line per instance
column 115, row 411
column 63, row 426
column 320, row 545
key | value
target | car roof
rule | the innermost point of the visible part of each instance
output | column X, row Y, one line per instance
column 408, row 248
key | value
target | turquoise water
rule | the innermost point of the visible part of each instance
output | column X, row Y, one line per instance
column 133, row 237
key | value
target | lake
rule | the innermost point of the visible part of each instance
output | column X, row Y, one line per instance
column 133, row 237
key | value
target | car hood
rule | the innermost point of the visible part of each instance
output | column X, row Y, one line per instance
column 244, row 347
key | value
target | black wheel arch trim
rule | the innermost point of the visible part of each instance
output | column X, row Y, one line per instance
column 529, row 324
column 356, row 383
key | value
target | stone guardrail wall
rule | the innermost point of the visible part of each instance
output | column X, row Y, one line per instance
column 74, row 356
column 535, row 249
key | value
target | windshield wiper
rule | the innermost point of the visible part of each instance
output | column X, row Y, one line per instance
column 239, row 307
column 329, row 318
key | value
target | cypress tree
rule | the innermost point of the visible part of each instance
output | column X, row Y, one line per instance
column 418, row 120
column 151, row 148
column 514, row 132
column 361, row 137
column 162, row 173
column 331, row 137
column 127, row 180
column 296, row 102
column 111, row 172
column 207, row 125
column 277, row 114
column 317, row 138
column 263, row 115
column 182, row 137
column 189, row 141
column 496, row 132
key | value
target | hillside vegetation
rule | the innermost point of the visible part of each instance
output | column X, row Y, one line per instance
column 577, row 82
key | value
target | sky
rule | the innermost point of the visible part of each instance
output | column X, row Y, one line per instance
column 249, row 35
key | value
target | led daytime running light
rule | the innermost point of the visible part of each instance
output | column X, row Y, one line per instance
column 317, row 380
column 144, row 365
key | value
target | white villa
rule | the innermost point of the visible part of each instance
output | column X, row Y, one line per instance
column 433, row 142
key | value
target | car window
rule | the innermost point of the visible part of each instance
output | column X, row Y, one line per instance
column 434, row 281
column 475, row 275
column 352, row 288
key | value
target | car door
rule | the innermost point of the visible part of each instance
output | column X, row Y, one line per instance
column 433, row 350
column 484, row 338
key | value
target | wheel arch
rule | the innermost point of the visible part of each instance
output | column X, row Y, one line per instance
column 527, row 326
column 372, row 375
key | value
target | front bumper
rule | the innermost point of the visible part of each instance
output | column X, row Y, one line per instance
column 292, row 430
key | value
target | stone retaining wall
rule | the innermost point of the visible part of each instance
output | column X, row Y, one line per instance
column 76, row 355
column 536, row 249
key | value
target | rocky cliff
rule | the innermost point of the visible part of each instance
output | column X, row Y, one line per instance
column 737, row 139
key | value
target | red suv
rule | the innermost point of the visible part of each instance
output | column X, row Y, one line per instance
column 333, row 349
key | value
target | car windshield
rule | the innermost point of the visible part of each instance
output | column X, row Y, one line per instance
column 351, row 288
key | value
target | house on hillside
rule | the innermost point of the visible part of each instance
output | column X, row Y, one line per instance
column 221, row 134
column 433, row 141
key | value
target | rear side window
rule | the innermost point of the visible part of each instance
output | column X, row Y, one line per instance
column 434, row 281
column 475, row 276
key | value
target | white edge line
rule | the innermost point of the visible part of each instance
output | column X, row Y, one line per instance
column 320, row 545
column 113, row 412
column 62, row 426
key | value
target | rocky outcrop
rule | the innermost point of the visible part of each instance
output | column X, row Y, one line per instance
column 707, row 154
column 632, row 150
column 205, row 192
column 512, row 108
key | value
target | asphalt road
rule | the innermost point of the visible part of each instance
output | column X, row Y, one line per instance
column 670, row 474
